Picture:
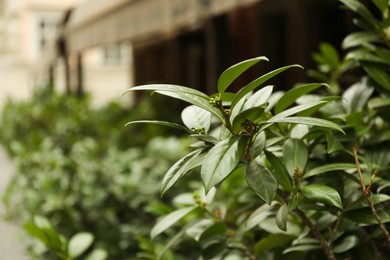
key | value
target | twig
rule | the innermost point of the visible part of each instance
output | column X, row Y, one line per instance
column 367, row 194
column 325, row 245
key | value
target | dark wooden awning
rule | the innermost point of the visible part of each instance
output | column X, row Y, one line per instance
column 100, row 22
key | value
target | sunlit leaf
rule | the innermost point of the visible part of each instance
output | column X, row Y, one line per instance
column 257, row 82
column 169, row 220
column 259, row 98
column 261, row 181
column 322, row 193
column 221, row 160
column 230, row 74
column 305, row 121
column 162, row 123
column 180, row 168
column 195, row 117
column 79, row 243
column 358, row 38
column 293, row 94
column 258, row 145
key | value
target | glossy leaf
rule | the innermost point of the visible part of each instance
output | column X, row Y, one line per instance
column 322, row 193
column 305, row 121
column 261, row 181
column 281, row 217
column 79, row 243
column 357, row 38
column 230, row 74
column 293, row 94
column 196, row 230
column 169, row 220
column 250, row 114
column 189, row 95
column 258, row 145
column 259, row 98
column 195, row 117
column 257, row 82
column 279, row 171
column 221, row 160
column 295, row 155
column 218, row 228
column 333, row 143
column 329, row 168
column 180, row 168
column 162, row 123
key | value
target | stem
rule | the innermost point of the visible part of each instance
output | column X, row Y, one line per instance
column 367, row 195
column 325, row 245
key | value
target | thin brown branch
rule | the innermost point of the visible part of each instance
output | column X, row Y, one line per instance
column 367, row 195
column 325, row 245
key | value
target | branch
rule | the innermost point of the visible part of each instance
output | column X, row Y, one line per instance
column 367, row 194
column 325, row 245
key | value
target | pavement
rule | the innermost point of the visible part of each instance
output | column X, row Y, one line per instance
column 11, row 236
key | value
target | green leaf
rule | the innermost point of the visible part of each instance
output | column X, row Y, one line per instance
column 281, row 217
column 162, row 123
column 221, row 160
column 329, row 168
column 97, row 254
column 258, row 144
column 305, row 121
column 218, row 228
column 347, row 243
column 361, row 10
column 330, row 54
column 34, row 231
column 381, row 4
column 301, row 248
column 362, row 202
column 261, row 181
column 250, row 114
column 378, row 74
column 259, row 98
column 230, row 74
column 295, row 155
column 180, row 168
column 190, row 95
column 195, row 117
column 196, row 230
column 272, row 241
column 205, row 138
column 357, row 96
column 257, row 82
column 359, row 38
column 79, row 243
column 333, row 143
column 257, row 216
column 293, row 94
column 279, row 171
column 364, row 215
column 169, row 220
column 322, row 193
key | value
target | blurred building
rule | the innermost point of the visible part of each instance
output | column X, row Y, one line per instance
column 102, row 46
